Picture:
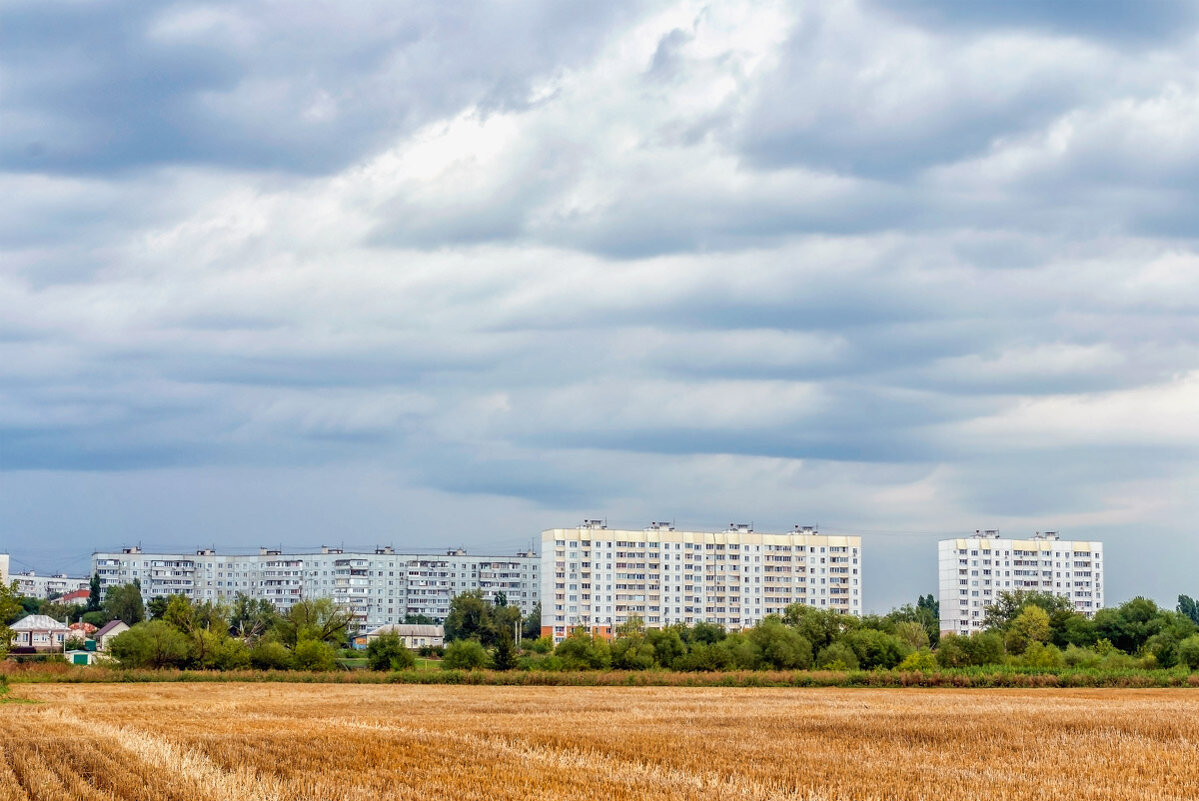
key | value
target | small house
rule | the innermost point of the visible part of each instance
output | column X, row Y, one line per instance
column 413, row 635
column 105, row 634
column 40, row 632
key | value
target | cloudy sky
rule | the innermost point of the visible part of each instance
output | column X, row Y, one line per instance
column 288, row 274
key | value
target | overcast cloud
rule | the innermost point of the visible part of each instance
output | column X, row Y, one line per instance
column 276, row 273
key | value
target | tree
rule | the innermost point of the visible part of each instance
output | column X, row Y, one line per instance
column 388, row 652
column 1130, row 625
column 1031, row 625
column 837, row 656
column 157, row 607
column 531, row 629
column 10, row 608
column 316, row 619
column 124, row 602
column 1188, row 652
column 153, row 644
column 582, row 651
column 912, row 634
column 470, row 616
column 1189, row 607
column 94, row 596
column 206, row 628
column 464, row 655
column 876, row 649
column 780, row 647
column 819, row 627
column 312, row 654
column 504, row 655
column 951, row 653
column 250, row 618
column 1009, row 604
column 271, row 655
column 419, row 620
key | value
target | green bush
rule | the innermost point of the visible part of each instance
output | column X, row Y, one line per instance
column 388, row 652
column 1188, row 652
column 837, row 656
column 315, row 655
column 922, row 659
column 464, row 655
column 271, row 655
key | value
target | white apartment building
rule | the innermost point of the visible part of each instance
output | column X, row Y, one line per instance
column 379, row 586
column 31, row 585
column 974, row 570
column 4, row 579
column 597, row 577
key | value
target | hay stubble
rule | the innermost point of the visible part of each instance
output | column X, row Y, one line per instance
column 260, row 742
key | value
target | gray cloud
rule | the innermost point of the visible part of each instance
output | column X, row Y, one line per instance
column 454, row 275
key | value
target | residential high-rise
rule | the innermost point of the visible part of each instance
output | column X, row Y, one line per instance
column 975, row 570
column 4, row 569
column 597, row 577
column 381, row 586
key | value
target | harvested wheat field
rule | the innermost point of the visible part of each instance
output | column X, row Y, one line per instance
column 285, row 741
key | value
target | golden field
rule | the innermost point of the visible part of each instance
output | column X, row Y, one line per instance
column 298, row 741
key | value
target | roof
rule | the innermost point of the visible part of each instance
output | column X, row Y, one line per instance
column 38, row 623
column 410, row 630
column 109, row 626
column 77, row 595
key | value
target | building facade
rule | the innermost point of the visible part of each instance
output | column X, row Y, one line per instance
column 31, row 585
column 598, row 578
column 974, row 570
column 4, row 579
column 380, row 587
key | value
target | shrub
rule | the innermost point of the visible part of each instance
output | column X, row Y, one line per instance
column 923, row 659
column 271, row 655
column 837, row 656
column 1040, row 655
column 387, row 652
column 1188, row 652
column 315, row 655
column 464, row 655
column 580, row 651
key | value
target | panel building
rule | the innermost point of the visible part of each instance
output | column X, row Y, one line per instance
column 381, row 586
column 597, row 577
column 974, row 570
column 31, row 585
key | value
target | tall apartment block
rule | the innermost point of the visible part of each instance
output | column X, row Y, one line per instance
column 597, row 577
column 974, row 570
column 4, row 568
column 379, row 586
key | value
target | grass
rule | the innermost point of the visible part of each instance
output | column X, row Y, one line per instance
column 351, row 742
column 429, row 671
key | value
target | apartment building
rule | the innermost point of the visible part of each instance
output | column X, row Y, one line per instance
column 31, row 585
column 379, row 586
column 597, row 577
column 4, row 579
column 974, row 570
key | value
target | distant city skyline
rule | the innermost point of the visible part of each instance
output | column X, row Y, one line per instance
column 433, row 276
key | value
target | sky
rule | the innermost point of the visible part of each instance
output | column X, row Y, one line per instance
column 431, row 275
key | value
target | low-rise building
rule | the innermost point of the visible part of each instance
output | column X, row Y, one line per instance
column 106, row 633
column 413, row 635
column 40, row 632
column 974, row 570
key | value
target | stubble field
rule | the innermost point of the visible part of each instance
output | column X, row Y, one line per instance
column 254, row 741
